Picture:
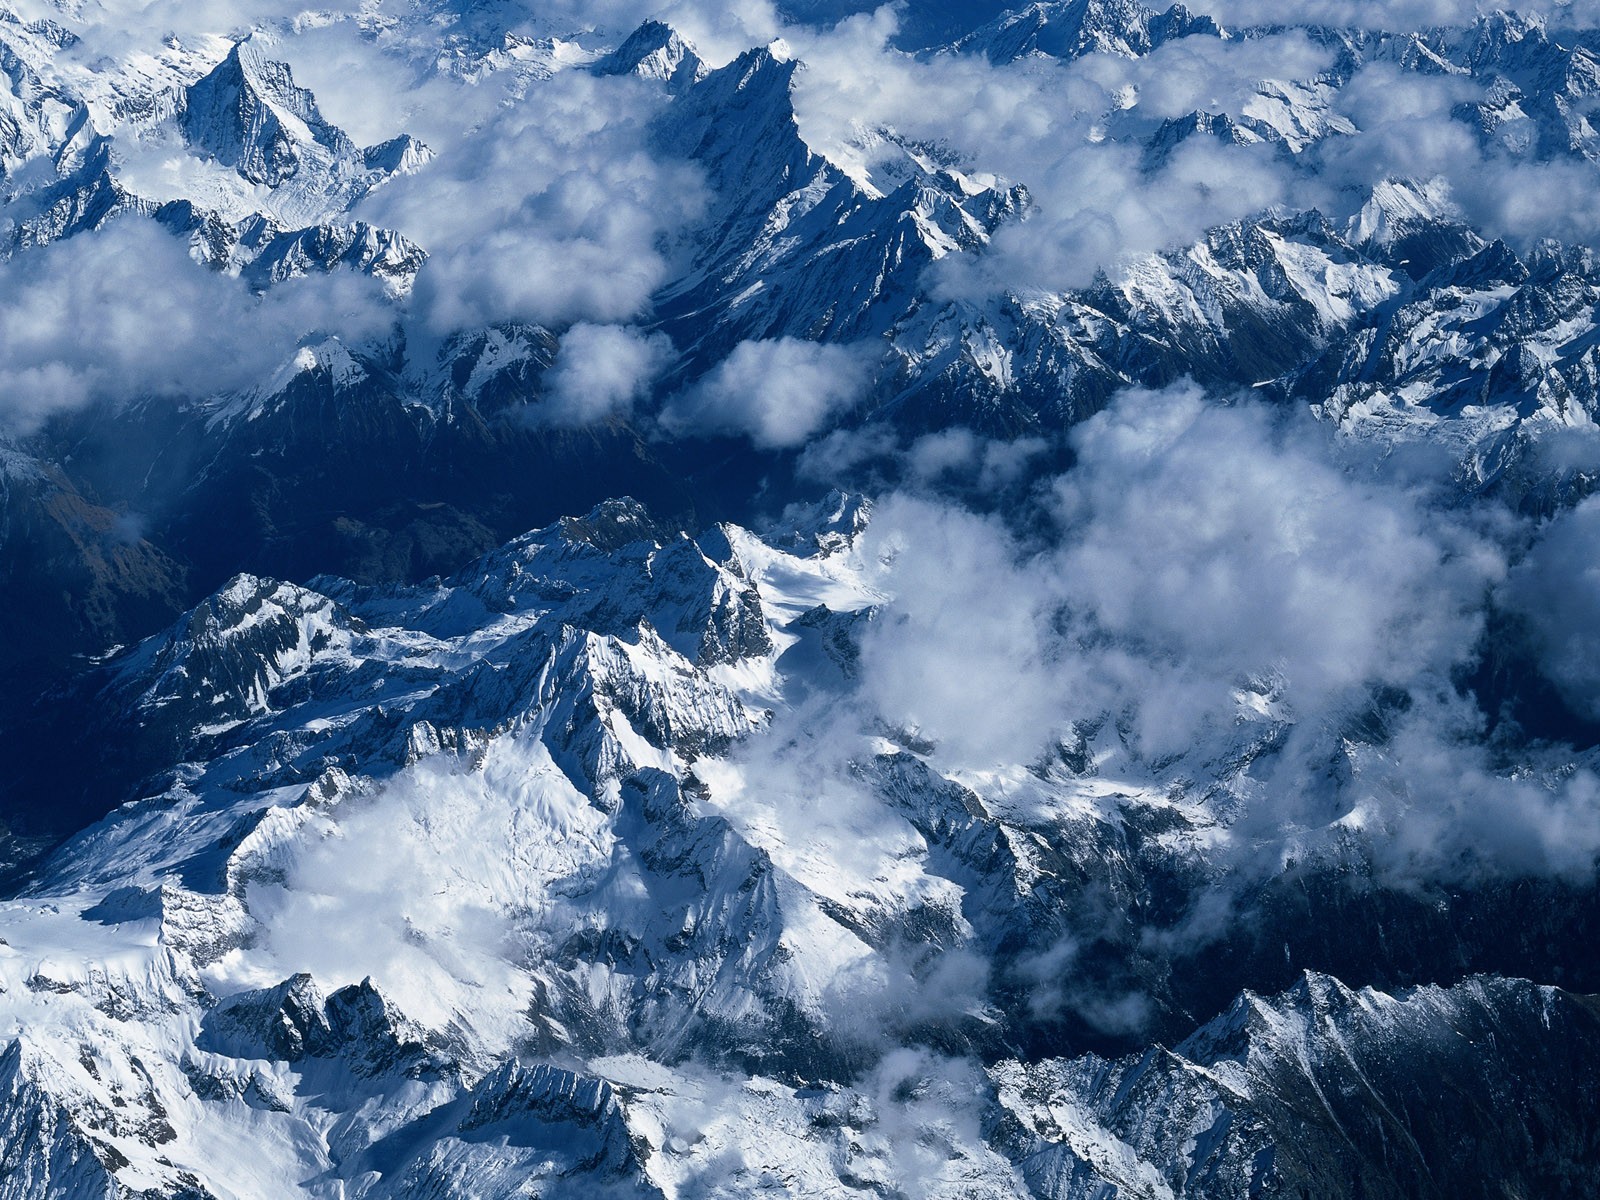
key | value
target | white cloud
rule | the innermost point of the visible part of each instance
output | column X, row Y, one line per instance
column 960, row 456
column 125, row 313
column 776, row 392
column 1225, row 539
column 600, row 372
column 1197, row 546
column 966, row 654
column 553, row 209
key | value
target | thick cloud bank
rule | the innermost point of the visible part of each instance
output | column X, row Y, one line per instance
column 127, row 314
column 1211, row 568
column 778, row 393
column 1196, row 547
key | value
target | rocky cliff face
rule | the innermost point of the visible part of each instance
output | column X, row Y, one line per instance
column 1322, row 1091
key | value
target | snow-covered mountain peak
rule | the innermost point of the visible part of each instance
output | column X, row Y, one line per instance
column 1225, row 400
column 1068, row 29
column 655, row 51
column 248, row 114
column 559, row 743
column 1401, row 208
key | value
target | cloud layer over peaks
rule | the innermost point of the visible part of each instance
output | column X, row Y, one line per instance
column 127, row 314
column 552, row 209
column 777, row 392
column 1197, row 547
column 1217, row 569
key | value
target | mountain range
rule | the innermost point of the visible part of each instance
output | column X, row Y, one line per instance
column 962, row 601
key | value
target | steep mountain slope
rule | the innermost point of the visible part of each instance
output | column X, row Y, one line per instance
column 1323, row 1091
column 792, row 246
column 464, row 888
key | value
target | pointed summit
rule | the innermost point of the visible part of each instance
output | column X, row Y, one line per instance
column 739, row 123
column 249, row 114
column 654, row 51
